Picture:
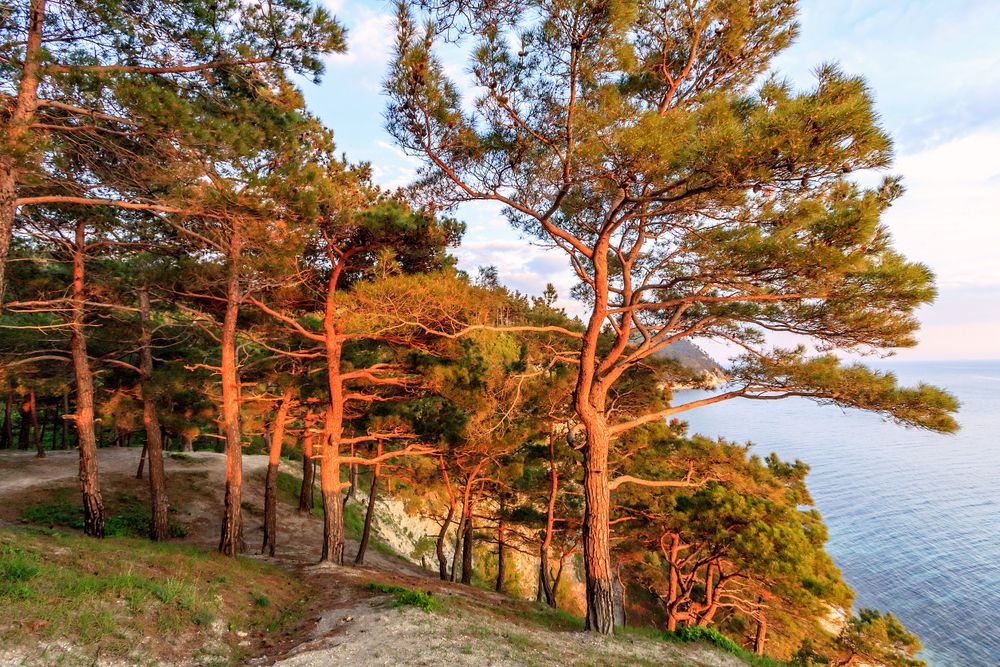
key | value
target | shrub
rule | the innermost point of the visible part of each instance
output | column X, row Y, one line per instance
column 405, row 597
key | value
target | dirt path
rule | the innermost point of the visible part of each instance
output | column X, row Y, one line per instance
column 299, row 536
column 353, row 625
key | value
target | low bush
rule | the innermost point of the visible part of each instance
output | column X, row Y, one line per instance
column 405, row 597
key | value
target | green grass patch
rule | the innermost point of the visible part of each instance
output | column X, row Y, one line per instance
column 712, row 637
column 405, row 597
column 289, row 487
column 126, row 515
column 553, row 619
column 135, row 600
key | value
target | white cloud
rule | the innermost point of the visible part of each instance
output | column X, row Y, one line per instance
column 369, row 41
column 522, row 266
column 950, row 215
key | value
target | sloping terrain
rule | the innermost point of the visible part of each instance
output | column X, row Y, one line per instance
column 181, row 604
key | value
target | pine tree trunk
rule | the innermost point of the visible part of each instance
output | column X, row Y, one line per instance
column 93, row 505
column 39, row 448
column 443, row 533
column 556, row 579
column 17, row 125
column 550, row 517
column 24, row 426
column 596, row 531
column 439, row 547
column 231, row 538
column 308, row 468
column 330, row 489
column 673, row 579
column 467, row 544
column 501, row 557
column 370, row 513
column 142, row 458
column 6, row 433
column 329, row 469
column 187, row 442
column 333, row 508
column 761, row 635
column 153, row 447
column 458, row 547
column 271, row 481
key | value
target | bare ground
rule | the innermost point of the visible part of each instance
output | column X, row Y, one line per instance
column 351, row 624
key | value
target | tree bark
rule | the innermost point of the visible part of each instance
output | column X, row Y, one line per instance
column 231, row 539
column 439, row 546
column 142, row 458
column 760, row 637
column 589, row 401
column 35, row 430
column 330, row 488
column 18, row 123
column 557, row 578
column 467, row 544
column 370, row 513
column 159, row 528
column 443, row 533
column 6, row 433
column 93, row 505
column 673, row 580
column 544, row 576
column 501, row 556
column 596, row 531
column 458, row 547
column 329, row 470
column 271, row 481
column 308, row 468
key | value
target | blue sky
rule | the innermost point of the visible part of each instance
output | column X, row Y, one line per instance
column 935, row 69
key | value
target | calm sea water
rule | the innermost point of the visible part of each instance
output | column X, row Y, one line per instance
column 914, row 517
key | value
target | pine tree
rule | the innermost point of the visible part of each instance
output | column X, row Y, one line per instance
column 140, row 74
column 694, row 195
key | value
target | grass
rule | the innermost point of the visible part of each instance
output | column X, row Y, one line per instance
column 126, row 515
column 133, row 599
column 405, row 597
column 553, row 619
column 704, row 635
column 289, row 487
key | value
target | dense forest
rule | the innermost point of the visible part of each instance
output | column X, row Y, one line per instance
column 188, row 264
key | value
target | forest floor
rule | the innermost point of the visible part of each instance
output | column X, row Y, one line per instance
column 127, row 601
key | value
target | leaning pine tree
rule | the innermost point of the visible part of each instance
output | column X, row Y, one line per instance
column 693, row 195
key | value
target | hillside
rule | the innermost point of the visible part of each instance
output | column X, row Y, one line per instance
column 694, row 359
column 74, row 600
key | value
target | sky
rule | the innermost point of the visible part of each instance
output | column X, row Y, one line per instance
column 934, row 68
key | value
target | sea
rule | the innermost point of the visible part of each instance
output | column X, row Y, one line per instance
column 913, row 516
